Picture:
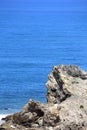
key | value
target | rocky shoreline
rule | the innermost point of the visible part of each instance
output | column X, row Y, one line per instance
column 66, row 107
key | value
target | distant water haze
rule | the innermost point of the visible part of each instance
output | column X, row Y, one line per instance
column 34, row 36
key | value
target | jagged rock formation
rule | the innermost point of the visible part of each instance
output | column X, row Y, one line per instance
column 66, row 107
column 66, row 81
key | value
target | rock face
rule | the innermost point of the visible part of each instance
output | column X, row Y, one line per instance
column 66, row 107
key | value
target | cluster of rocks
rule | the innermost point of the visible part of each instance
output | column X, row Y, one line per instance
column 66, row 107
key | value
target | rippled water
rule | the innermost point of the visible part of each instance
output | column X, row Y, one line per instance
column 35, row 36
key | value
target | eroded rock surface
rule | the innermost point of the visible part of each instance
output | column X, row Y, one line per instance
column 66, row 107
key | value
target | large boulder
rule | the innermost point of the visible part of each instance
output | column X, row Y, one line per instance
column 66, row 107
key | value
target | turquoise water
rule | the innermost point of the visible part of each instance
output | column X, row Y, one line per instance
column 34, row 36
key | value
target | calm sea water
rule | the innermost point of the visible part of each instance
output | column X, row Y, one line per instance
column 34, row 36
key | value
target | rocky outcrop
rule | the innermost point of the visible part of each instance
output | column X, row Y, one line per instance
column 64, row 82
column 66, row 107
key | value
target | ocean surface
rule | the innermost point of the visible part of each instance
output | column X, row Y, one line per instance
column 35, row 36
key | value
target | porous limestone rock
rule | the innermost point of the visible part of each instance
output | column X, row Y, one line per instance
column 66, row 107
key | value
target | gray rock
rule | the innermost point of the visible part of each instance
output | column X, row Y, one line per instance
column 65, row 81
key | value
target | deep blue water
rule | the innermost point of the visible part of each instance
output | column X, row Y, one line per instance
column 34, row 36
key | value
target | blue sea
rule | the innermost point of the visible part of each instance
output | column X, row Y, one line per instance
column 36, row 35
